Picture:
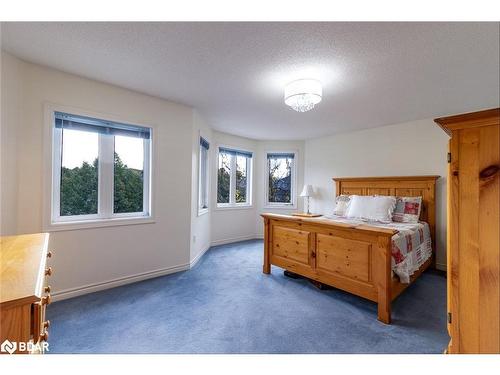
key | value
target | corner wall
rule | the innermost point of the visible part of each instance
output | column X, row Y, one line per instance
column 232, row 224
column 91, row 259
column 200, row 224
column 238, row 224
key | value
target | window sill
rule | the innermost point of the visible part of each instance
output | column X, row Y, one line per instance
column 234, row 207
column 202, row 212
column 98, row 223
column 280, row 207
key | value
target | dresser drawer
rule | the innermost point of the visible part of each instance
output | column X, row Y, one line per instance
column 24, row 293
column 40, row 325
column 37, row 319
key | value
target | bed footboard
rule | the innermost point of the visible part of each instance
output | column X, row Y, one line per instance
column 354, row 259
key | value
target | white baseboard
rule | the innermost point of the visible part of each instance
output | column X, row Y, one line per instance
column 234, row 239
column 441, row 266
column 90, row 288
column 197, row 258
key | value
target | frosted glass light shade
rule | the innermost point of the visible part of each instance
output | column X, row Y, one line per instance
column 302, row 95
column 307, row 191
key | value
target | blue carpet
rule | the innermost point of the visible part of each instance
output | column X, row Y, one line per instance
column 226, row 305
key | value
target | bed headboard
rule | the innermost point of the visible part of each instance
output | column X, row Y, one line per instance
column 407, row 186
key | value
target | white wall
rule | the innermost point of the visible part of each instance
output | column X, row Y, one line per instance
column 200, row 225
column 11, row 92
column 414, row 148
column 99, row 255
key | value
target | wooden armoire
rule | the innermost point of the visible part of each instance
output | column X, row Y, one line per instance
column 473, row 231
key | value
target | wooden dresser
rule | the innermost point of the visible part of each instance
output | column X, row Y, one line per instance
column 24, row 293
column 473, row 231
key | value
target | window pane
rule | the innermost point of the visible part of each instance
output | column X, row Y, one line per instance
column 241, row 179
column 129, row 174
column 280, row 180
column 203, row 178
column 79, row 173
column 224, row 178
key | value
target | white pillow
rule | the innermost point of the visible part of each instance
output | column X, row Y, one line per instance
column 341, row 204
column 371, row 208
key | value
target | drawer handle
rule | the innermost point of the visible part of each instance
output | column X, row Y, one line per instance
column 48, row 271
column 49, row 254
column 46, row 300
column 47, row 289
column 44, row 336
column 46, row 324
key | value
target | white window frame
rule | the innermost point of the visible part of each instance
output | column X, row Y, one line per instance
column 293, row 204
column 232, row 181
column 203, row 210
column 105, row 216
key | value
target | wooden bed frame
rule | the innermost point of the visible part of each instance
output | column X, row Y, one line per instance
column 356, row 259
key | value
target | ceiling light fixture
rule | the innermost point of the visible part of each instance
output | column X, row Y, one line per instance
column 302, row 95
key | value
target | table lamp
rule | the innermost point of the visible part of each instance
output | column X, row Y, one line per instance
column 307, row 192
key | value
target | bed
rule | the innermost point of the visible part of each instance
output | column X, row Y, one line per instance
column 357, row 257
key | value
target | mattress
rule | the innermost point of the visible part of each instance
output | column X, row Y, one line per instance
column 411, row 246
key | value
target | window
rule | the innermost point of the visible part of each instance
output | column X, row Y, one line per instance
column 234, row 178
column 101, row 169
column 280, row 179
column 203, row 176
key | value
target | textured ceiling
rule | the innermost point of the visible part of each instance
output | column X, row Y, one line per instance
column 372, row 73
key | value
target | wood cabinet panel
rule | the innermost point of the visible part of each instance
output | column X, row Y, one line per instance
column 474, row 232
column 352, row 191
column 452, row 243
column 468, row 234
column 15, row 322
column 379, row 191
column 489, row 239
column 405, row 192
column 478, row 241
column 348, row 258
column 291, row 244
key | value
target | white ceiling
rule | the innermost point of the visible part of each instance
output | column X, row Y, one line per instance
column 373, row 74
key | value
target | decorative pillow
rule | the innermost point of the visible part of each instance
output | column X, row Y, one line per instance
column 371, row 208
column 407, row 209
column 341, row 204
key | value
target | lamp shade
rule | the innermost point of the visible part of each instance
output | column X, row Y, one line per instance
column 307, row 191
